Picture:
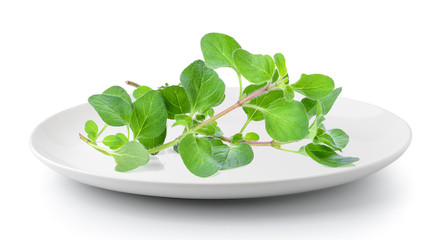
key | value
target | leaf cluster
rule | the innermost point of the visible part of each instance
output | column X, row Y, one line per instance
column 203, row 147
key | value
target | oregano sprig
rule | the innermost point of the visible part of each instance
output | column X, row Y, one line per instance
column 202, row 146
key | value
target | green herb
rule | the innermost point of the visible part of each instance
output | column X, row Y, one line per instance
column 203, row 146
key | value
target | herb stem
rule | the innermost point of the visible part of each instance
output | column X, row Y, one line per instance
column 245, row 125
column 133, row 84
column 128, row 132
column 89, row 142
column 102, row 130
column 166, row 145
column 240, row 85
column 227, row 110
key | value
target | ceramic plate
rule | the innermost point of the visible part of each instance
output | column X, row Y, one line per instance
column 377, row 137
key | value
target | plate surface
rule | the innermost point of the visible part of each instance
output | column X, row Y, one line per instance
column 377, row 137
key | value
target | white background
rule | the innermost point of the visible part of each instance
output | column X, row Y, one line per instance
column 54, row 54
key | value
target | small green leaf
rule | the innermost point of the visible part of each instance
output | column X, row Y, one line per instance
column 130, row 156
column 279, row 59
column 326, row 156
column 140, row 91
column 256, row 68
column 196, row 153
column 335, row 138
column 286, row 121
column 288, row 93
column 202, row 85
column 115, row 141
column 113, row 110
column 275, row 76
column 217, row 50
column 149, row 116
column 252, row 136
column 182, row 120
column 151, row 142
column 263, row 100
column 91, row 128
column 176, row 101
column 118, row 91
column 327, row 103
column 208, row 130
column 314, row 86
column 218, row 133
column 231, row 156
column 236, row 138
column 312, row 131
column 200, row 117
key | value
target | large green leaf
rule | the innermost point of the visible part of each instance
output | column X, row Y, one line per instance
column 256, row 68
column 314, row 86
column 327, row 103
column 149, row 116
column 196, row 153
column 262, row 100
column 202, row 85
column 327, row 156
column 231, row 156
column 130, row 156
column 113, row 110
column 118, row 92
column 217, row 50
column 176, row 101
column 286, row 121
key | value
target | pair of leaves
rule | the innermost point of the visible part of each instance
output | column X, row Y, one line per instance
column 335, row 138
column 326, row 103
column 114, row 106
column 327, row 156
column 220, row 50
column 204, row 158
column 115, row 141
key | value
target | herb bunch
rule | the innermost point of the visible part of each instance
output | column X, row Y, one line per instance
column 202, row 146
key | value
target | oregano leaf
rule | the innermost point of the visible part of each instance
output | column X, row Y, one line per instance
column 232, row 156
column 256, row 68
column 217, row 49
column 326, row 156
column 314, row 86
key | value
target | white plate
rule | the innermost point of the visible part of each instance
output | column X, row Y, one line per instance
column 377, row 137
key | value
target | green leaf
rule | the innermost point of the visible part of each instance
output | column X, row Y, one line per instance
column 314, row 86
column 118, row 91
column 275, row 76
column 130, row 156
column 256, row 68
column 288, row 93
column 326, row 156
column 335, row 138
column 217, row 50
column 263, row 100
column 115, row 141
column 151, row 142
column 91, row 129
column 327, row 103
column 200, row 117
column 231, row 156
column 196, row 153
column 140, row 91
column 176, row 101
column 218, row 133
column 279, row 59
column 208, row 130
column 113, row 110
column 252, row 136
column 286, row 121
column 149, row 116
column 202, row 85
column 236, row 138
column 182, row 120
